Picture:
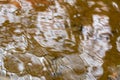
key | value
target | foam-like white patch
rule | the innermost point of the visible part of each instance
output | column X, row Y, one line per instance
column 118, row 43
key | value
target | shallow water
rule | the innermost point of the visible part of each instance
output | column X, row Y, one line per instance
column 59, row 40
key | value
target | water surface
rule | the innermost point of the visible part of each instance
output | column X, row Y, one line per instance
column 59, row 40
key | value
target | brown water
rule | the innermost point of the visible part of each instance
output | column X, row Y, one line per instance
column 43, row 38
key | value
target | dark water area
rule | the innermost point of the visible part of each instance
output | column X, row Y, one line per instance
column 60, row 39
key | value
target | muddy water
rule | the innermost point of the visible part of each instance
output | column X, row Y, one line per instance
column 59, row 40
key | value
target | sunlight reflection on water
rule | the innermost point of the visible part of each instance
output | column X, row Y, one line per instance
column 46, row 40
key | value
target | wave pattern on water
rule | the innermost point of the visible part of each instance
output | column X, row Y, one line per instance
column 55, row 40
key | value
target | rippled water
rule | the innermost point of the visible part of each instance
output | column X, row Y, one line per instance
column 59, row 39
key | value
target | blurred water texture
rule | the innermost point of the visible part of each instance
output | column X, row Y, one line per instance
column 59, row 39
